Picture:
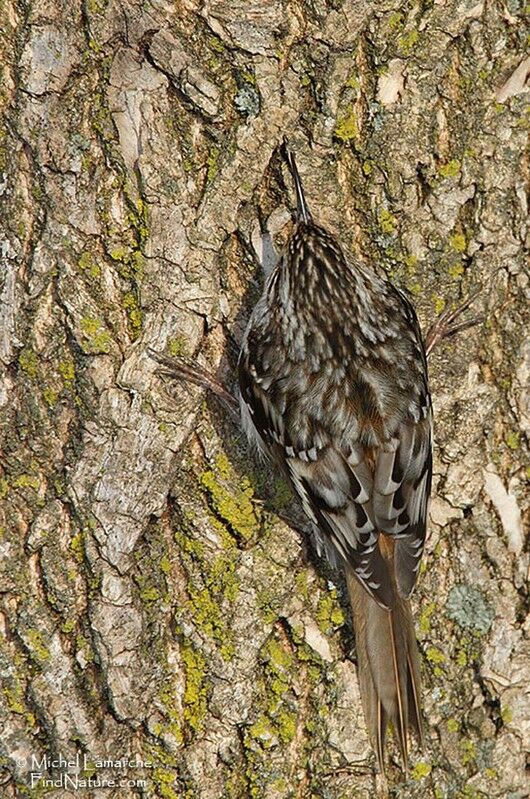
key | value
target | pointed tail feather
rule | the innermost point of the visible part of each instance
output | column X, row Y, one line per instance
column 387, row 656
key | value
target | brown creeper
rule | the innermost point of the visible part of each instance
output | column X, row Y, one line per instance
column 333, row 387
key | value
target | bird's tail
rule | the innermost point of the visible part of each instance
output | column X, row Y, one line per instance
column 302, row 209
column 388, row 667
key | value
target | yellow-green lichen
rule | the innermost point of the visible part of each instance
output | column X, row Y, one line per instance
column 368, row 167
column 352, row 82
column 436, row 657
column 248, row 77
column 87, row 263
column 468, row 752
column 208, row 615
column 212, row 163
column 408, row 41
column 216, row 44
column 222, row 578
column 232, row 499
column 414, row 288
column 278, row 657
column 451, row 169
column 170, row 704
column 149, row 594
column 195, row 692
column 236, row 784
column 424, row 624
column 96, row 6
column 461, row 658
column 439, row 304
column 453, row 725
column 94, row 46
column 513, row 439
column 130, row 263
column 178, row 346
column 302, row 587
column 387, row 221
column 421, row 770
column 96, row 335
column 458, row 242
column 396, row 20
column 28, row 362
column 456, row 270
column 217, row 585
column 134, row 313
column 138, row 220
column 329, row 614
column 167, row 783
column 286, row 724
column 15, row 699
column 223, row 466
column 165, row 565
column 189, row 545
column 263, row 731
column 277, row 720
column 268, row 605
column 77, row 546
column 26, row 481
column 67, row 370
column 119, row 254
column 50, row 397
column 347, row 128
column 39, row 651
column 68, row 626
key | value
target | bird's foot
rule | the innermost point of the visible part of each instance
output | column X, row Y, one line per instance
column 182, row 369
column 446, row 325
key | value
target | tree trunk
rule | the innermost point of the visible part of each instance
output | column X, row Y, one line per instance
column 154, row 606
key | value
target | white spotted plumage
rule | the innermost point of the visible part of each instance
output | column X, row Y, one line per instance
column 342, row 391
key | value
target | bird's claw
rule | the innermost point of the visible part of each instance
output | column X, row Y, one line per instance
column 446, row 325
column 182, row 369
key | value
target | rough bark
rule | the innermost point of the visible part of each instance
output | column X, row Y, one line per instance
column 152, row 602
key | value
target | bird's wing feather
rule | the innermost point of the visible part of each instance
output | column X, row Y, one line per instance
column 334, row 489
column 402, row 482
column 352, row 496
column 327, row 487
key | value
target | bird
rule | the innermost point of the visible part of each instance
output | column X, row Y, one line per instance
column 333, row 389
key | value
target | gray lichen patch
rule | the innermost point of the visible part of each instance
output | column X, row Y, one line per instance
column 247, row 100
column 468, row 606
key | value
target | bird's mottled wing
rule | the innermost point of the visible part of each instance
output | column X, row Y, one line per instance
column 262, row 421
column 403, row 473
column 402, row 482
column 334, row 487
column 353, row 494
column 336, row 495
